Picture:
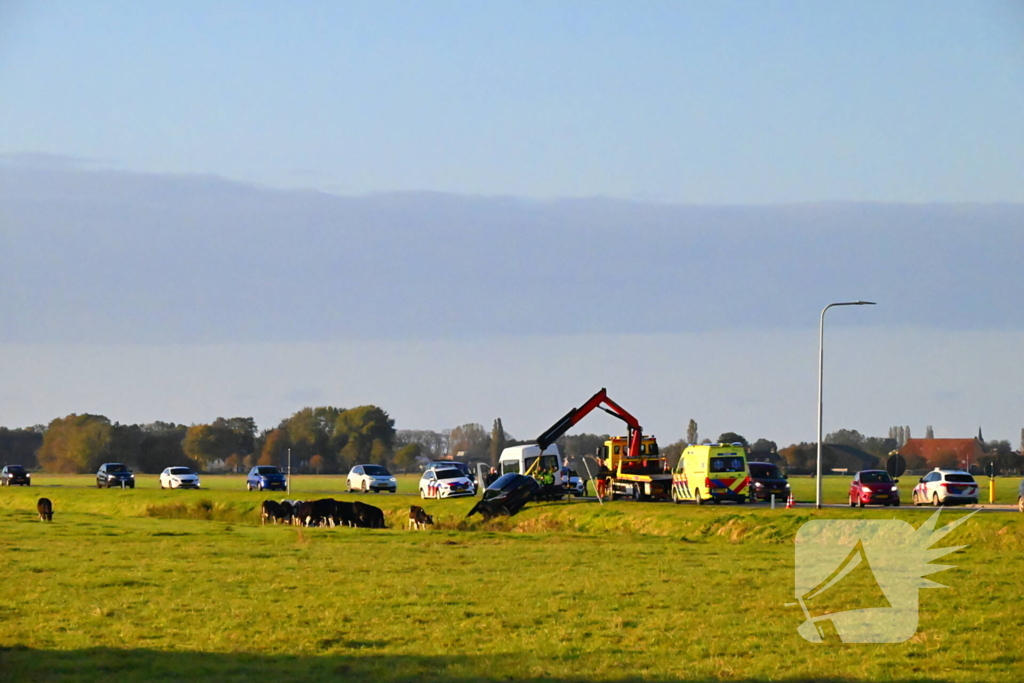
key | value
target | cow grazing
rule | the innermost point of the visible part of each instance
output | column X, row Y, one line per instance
column 419, row 519
column 286, row 511
column 271, row 510
column 324, row 511
column 369, row 516
column 302, row 515
column 45, row 509
column 345, row 513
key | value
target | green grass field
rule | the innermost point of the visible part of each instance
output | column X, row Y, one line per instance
column 151, row 585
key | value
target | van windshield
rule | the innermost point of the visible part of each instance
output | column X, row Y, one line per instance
column 731, row 463
column 760, row 471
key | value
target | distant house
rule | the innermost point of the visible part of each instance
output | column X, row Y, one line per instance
column 945, row 453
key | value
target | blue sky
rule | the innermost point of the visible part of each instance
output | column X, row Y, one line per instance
column 171, row 253
column 725, row 102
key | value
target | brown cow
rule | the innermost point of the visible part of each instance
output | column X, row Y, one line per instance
column 418, row 518
column 45, row 509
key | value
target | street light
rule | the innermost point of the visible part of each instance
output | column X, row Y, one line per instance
column 821, row 367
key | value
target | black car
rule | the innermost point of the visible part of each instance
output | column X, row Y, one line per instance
column 767, row 480
column 15, row 475
column 506, row 496
column 114, row 474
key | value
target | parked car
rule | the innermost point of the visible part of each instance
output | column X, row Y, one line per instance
column 179, row 478
column 446, row 482
column 15, row 475
column 946, row 487
column 466, row 469
column 506, row 496
column 874, row 487
column 114, row 474
column 573, row 483
column 370, row 478
column 767, row 480
column 265, row 478
column 1020, row 497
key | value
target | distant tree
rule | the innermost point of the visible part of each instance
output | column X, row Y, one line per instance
column 929, row 433
column 764, row 446
column 311, row 431
column 160, row 445
column 360, row 429
column 76, row 443
column 497, row 442
column 233, row 462
column 433, row 445
column 691, row 432
column 407, row 457
column 470, row 439
column 249, row 461
column 275, row 447
column 846, row 437
column 1022, row 441
column 876, row 445
column 316, row 463
column 906, row 435
column 674, row 451
column 731, row 437
column 19, row 446
column 576, row 446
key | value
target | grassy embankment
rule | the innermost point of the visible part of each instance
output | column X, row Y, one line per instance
column 563, row 591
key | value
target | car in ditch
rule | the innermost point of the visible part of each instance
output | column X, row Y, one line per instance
column 446, row 482
column 113, row 474
column 506, row 496
column 15, row 475
column 179, row 478
column 370, row 478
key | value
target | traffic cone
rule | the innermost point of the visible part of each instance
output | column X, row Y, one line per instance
column 789, row 501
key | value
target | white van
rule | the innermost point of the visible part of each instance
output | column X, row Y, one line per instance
column 519, row 459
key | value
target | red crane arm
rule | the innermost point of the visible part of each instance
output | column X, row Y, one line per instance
column 576, row 414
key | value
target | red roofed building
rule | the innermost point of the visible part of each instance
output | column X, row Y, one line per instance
column 945, row 453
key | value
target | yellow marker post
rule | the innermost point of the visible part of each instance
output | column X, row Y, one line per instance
column 992, row 489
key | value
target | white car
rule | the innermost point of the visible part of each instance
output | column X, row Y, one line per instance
column 370, row 478
column 446, row 482
column 179, row 478
column 943, row 487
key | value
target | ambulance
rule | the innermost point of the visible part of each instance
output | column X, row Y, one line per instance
column 712, row 472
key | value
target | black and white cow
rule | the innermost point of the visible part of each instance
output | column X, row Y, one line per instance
column 419, row 519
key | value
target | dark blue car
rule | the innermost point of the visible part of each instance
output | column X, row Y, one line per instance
column 265, row 478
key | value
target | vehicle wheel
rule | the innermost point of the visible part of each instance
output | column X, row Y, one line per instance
column 99, row 485
column 364, row 486
column 853, row 503
column 259, row 487
column 896, row 504
column 248, row 487
column 742, row 500
column 637, row 494
column 913, row 498
column 716, row 501
column 697, row 497
column 675, row 496
column 1020, row 503
column 422, row 495
column 860, row 502
column 935, row 500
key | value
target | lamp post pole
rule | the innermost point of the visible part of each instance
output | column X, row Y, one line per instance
column 821, row 368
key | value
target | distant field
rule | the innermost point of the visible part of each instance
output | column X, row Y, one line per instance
column 151, row 585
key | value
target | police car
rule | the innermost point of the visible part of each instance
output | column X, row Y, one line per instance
column 446, row 482
column 946, row 487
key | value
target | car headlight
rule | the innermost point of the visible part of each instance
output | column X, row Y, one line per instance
column 893, row 488
column 865, row 489
column 392, row 479
column 758, row 485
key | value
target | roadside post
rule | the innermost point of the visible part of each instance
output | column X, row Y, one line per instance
column 591, row 476
column 990, row 470
column 288, row 481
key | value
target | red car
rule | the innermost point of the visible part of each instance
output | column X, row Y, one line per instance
column 874, row 487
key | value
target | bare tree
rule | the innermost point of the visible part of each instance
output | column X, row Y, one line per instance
column 691, row 432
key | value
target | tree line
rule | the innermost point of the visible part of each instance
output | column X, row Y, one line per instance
column 329, row 440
